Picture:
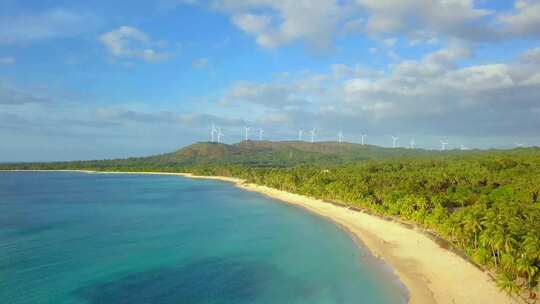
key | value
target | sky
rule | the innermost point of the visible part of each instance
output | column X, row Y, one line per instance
column 107, row 79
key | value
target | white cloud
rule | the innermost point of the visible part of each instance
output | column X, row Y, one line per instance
column 7, row 60
column 280, row 22
column 50, row 24
column 427, row 18
column 434, row 94
column 532, row 55
column 275, row 23
column 130, row 42
column 525, row 20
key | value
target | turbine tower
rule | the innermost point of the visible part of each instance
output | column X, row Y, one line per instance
column 219, row 135
column 312, row 135
column 213, row 131
column 394, row 141
column 443, row 145
column 340, row 136
column 363, row 136
column 412, row 143
column 300, row 132
column 261, row 131
column 247, row 132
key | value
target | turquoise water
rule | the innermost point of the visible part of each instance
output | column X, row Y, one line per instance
column 100, row 238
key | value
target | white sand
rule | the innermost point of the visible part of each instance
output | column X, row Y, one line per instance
column 431, row 273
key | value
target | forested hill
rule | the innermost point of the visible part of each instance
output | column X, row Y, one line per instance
column 274, row 154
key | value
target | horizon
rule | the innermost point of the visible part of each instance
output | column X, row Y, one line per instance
column 106, row 80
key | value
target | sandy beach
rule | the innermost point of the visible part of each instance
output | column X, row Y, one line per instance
column 431, row 273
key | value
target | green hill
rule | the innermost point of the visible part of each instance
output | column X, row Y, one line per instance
column 276, row 154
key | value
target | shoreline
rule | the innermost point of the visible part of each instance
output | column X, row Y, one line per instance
column 430, row 273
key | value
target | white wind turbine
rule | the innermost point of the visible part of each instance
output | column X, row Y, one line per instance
column 443, row 145
column 340, row 137
column 247, row 132
column 219, row 135
column 213, row 131
column 312, row 135
column 363, row 136
column 261, row 131
column 412, row 143
column 394, row 141
column 300, row 132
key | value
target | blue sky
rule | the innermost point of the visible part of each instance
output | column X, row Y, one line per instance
column 103, row 79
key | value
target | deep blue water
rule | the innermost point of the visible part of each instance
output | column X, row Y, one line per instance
column 111, row 238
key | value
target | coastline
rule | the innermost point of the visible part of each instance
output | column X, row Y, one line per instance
column 431, row 273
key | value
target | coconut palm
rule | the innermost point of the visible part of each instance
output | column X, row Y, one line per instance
column 525, row 267
column 507, row 283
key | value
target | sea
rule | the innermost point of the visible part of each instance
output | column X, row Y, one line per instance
column 69, row 237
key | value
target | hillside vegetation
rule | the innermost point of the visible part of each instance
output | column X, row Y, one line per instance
column 260, row 154
column 486, row 203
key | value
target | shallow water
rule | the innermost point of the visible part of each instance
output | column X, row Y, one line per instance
column 112, row 238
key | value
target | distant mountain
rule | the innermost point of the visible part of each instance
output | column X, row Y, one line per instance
column 263, row 154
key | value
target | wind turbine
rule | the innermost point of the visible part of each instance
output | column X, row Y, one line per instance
column 300, row 132
column 219, row 135
column 363, row 136
column 443, row 145
column 312, row 135
column 247, row 132
column 412, row 144
column 394, row 141
column 213, row 131
column 261, row 131
column 340, row 136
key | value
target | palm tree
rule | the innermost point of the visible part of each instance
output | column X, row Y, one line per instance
column 531, row 244
column 498, row 243
column 508, row 262
column 472, row 226
column 507, row 283
column 525, row 266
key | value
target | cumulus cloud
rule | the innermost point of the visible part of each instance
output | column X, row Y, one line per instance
column 276, row 23
column 129, row 42
column 524, row 20
column 49, row 24
column 281, row 22
column 434, row 94
column 532, row 56
column 421, row 18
